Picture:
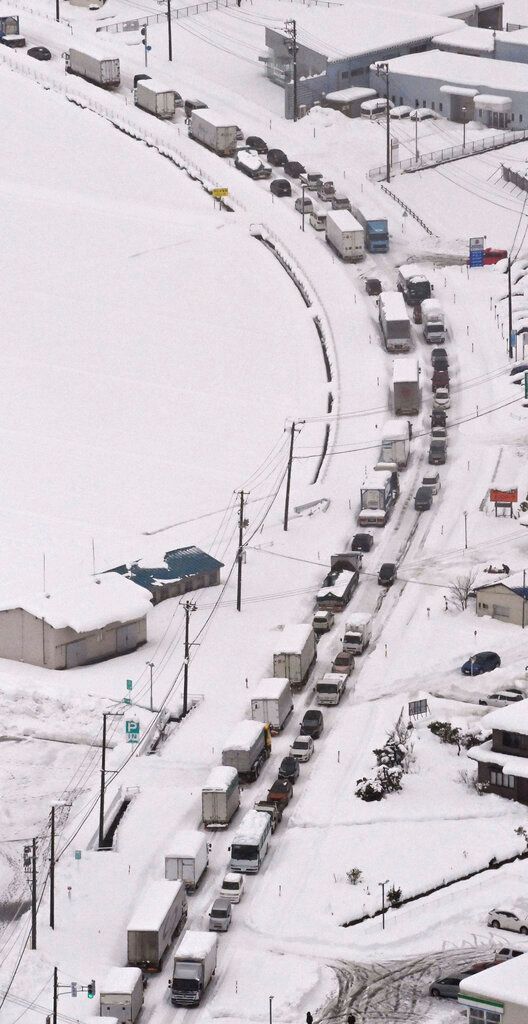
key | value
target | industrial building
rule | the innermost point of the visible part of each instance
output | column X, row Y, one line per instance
column 183, row 569
column 95, row 620
column 337, row 46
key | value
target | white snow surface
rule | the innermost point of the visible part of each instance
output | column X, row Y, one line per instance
column 220, row 778
column 186, row 844
column 270, row 688
column 120, row 980
column 514, row 718
column 293, row 639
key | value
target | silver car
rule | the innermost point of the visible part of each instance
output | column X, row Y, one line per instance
column 220, row 915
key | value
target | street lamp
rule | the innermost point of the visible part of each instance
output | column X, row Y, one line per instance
column 151, row 667
column 383, row 884
column 271, row 998
column 382, row 69
column 416, row 153
column 464, row 109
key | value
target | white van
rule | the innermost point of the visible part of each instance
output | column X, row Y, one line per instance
column 318, row 219
column 375, row 108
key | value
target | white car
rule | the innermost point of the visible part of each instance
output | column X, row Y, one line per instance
column 302, row 748
column 232, row 887
column 441, row 399
column 509, row 920
column 421, row 114
column 398, row 112
column 502, row 698
column 507, row 953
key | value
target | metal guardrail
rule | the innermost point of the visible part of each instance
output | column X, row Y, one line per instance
column 192, row 9
column 449, row 153
column 520, row 180
column 409, row 211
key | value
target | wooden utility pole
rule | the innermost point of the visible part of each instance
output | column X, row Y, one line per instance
column 188, row 608
column 291, row 29
column 293, row 431
column 52, row 868
column 33, row 894
column 240, row 553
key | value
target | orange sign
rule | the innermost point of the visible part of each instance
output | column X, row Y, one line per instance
column 504, row 496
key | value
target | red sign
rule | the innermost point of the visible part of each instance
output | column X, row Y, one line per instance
column 504, row 496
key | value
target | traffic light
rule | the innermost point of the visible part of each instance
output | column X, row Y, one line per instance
column 73, row 988
column 91, row 989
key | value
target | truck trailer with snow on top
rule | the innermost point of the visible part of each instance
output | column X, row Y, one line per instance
column 194, row 966
column 376, row 228
column 157, row 99
column 121, row 994
column 188, row 859
column 272, row 702
column 345, row 235
column 378, row 496
column 395, row 446
column 406, row 393
column 358, row 631
column 220, row 797
column 99, row 68
column 215, row 131
column 161, row 913
column 295, row 653
column 247, row 749
column 394, row 322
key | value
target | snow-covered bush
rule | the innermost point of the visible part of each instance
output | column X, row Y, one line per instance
column 471, row 781
column 391, row 754
column 369, row 789
column 354, row 875
column 390, row 779
column 394, row 896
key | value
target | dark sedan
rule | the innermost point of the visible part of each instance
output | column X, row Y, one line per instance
column 39, row 53
column 280, row 187
column 277, row 157
column 485, row 661
column 312, row 724
column 289, row 769
column 294, row 169
column 362, row 542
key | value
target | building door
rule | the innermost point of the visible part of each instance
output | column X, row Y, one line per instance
column 128, row 637
column 76, row 654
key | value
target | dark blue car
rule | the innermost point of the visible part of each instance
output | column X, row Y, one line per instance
column 486, row 661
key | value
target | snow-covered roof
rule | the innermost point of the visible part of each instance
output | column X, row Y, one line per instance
column 463, row 69
column 186, row 844
column 214, row 117
column 196, row 945
column 250, row 829
column 339, row 588
column 405, row 369
column 243, row 736
column 95, row 49
column 355, row 92
column 178, row 564
column 393, row 306
column 514, row 583
column 395, row 430
column 270, row 688
column 514, row 718
column 121, row 979
column 458, row 90
column 368, row 209
column 154, row 85
column 344, row 220
column 293, row 639
column 504, row 982
column 220, row 778
column 332, row 677
column 510, row 764
column 409, row 270
column 153, row 908
column 376, row 482
column 471, row 38
column 431, row 306
column 486, row 102
column 358, row 619
column 89, row 605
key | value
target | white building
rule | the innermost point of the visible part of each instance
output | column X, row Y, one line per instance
column 498, row 995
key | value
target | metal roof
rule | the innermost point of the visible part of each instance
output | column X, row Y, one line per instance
column 179, row 564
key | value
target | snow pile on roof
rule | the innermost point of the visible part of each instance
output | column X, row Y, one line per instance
column 220, row 778
column 196, row 945
column 355, row 92
column 505, row 982
column 218, row 120
column 186, row 844
column 470, row 38
column 156, row 902
column 463, row 69
column 154, row 85
column 344, row 220
column 339, row 588
column 250, row 828
column 376, row 482
column 121, row 979
column 271, row 688
column 393, row 306
column 510, row 764
column 358, row 619
column 486, row 102
column 513, row 582
column 245, row 734
column 293, row 639
column 514, row 718
column 90, row 605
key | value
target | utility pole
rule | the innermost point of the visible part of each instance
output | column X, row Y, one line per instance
column 55, row 994
column 57, row 11
column 242, row 523
column 524, row 597
column 106, row 714
column 382, row 68
column 33, row 894
column 383, row 884
column 293, row 431
column 463, row 127
column 465, row 530
column 151, row 667
column 291, row 29
column 169, row 24
column 188, row 607
column 303, row 190
column 52, row 868
column 510, row 314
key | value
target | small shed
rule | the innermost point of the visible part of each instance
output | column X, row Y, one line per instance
column 506, row 600
column 183, row 569
column 92, row 621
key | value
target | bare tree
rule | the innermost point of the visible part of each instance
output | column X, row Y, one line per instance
column 460, row 589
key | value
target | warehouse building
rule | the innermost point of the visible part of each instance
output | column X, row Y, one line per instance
column 461, row 87
column 506, row 600
column 95, row 620
column 183, row 569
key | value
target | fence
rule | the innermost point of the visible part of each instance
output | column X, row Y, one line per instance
column 516, row 178
column 443, row 156
column 409, row 211
column 192, row 9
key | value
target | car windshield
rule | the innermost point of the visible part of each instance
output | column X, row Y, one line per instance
column 230, row 885
column 243, row 852
column 186, row 984
column 218, row 912
column 301, row 744
column 326, row 688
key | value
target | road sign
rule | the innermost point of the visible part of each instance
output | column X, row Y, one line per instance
column 129, row 684
column 132, row 730
column 477, row 243
column 130, row 26
column 476, row 257
column 77, row 854
column 220, row 193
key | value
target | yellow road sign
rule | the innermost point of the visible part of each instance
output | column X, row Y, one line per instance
column 220, row 193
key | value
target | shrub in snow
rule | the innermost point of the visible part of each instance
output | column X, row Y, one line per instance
column 369, row 789
column 390, row 778
column 391, row 754
column 354, row 875
column 520, row 831
column 394, row 896
column 445, row 731
column 470, row 780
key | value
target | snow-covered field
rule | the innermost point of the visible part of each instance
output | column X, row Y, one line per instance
column 154, row 352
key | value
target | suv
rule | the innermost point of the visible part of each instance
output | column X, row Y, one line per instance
column 326, row 191
column 343, row 664
column 437, row 452
column 509, row 920
column 362, row 542
column 485, row 661
column 280, row 187
column 373, row 286
column 277, row 157
column 255, row 142
column 312, row 724
column 220, row 915
column 446, row 988
column 340, row 202
column 423, row 499
column 302, row 748
column 387, row 574
column 304, row 205
column 289, row 769
column 501, row 699
column 280, row 792
column 507, row 953
column 438, row 418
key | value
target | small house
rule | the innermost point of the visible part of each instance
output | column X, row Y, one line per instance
column 503, row 760
column 97, row 619
column 498, row 995
column 337, row 590
column 506, row 599
column 183, row 569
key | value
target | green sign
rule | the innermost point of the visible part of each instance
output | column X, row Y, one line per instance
column 77, row 854
column 132, row 730
column 129, row 684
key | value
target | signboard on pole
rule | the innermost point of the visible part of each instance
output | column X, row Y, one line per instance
column 220, row 193
column 504, row 496
column 132, row 730
column 417, row 708
column 476, row 251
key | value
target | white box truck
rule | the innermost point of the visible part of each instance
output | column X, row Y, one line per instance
column 215, row 131
column 358, row 632
column 272, row 702
column 345, row 235
column 294, row 655
column 194, row 966
column 248, row 749
column 433, row 322
column 406, row 394
column 156, row 98
column 121, row 994
column 188, row 859
column 160, row 915
column 395, row 446
column 96, row 66
column 330, row 689
column 220, row 797
column 394, row 322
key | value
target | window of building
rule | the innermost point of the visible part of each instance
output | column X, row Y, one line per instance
column 440, row 107
column 344, row 74
column 504, row 781
column 416, row 103
column 515, row 740
column 433, row 106
column 482, row 605
column 478, row 1016
column 520, row 118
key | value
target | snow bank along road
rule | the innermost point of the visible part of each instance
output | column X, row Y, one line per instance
column 277, row 920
